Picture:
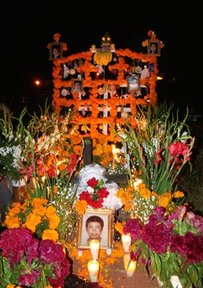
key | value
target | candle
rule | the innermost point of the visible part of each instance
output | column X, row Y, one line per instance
column 93, row 269
column 94, row 248
column 126, row 260
column 136, row 182
column 126, row 242
column 130, row 269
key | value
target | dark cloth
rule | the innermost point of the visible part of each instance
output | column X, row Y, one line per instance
column 5, row 194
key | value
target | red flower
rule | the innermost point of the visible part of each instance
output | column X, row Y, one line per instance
column 73, row 163
column 95, row 198
column 92, row 182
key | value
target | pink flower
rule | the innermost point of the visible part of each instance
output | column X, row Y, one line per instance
column 133, row 227
column 177, row 149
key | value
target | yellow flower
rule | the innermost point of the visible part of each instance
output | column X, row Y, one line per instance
column 178, row 194
column 119, row 227
column 41, row 210
column 81, row 206
column 32, row 221
column 36, row 202
column 163, row 200
column 54, row 221
column 51, row 235
column 12, row 222
column 50, row 211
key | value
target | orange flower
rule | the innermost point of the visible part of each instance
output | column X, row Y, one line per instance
column 119, row 227
column 178, row 194
column 81, row 206
column 163, row 200
column 51, row 235
column 32, row 221
column 54, row 221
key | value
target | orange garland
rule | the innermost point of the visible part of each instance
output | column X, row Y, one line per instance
column 89, row 125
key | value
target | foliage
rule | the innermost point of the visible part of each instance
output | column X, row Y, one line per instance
column 159, row 146
column 171, row 243
column 28, row 261
column 37, row 215
column 12, row 146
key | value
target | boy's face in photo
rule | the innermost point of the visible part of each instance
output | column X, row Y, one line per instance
column 94, row 230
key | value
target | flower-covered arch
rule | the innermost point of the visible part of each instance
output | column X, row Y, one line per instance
column 105, row 97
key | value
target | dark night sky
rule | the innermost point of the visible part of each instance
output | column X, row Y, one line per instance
column 28, row 26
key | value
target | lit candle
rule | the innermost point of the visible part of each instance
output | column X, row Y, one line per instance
column 126, row 260
column 94, row 248
column 130, row 269
column 93, row 269
column 136, row 182
column 126, row 242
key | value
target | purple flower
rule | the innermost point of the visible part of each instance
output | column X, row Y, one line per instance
column 29, row 278
column 189, row 246
column 50, row 252
column 18, row 245
column 157, row 236
column 194, row 220
column 14, row 242
column 133, row 228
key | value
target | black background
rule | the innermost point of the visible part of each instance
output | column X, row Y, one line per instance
column 28, row 26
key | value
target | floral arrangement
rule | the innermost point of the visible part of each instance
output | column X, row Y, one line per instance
column 13, row 143
column 28, row 261
column 139, row 201
column 159, row 147
column 171, row 244
column 92, row 187
column 37, row 215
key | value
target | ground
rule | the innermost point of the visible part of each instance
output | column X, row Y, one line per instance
column 120, row 279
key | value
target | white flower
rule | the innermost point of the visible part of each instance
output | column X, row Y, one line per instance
column 87, row 173
column 112, row 201
column 175, row 282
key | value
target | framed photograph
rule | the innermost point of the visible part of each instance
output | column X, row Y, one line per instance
column 96, row 224
column 56, row 51
column 77, row 85
column 133, row 83
column 154, row 48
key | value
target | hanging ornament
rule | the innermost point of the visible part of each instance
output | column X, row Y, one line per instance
column 154, row 45
column 103, row 55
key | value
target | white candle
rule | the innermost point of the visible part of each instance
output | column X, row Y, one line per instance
column 137, row 182
column 93, row 269
column 94, row 248
column 131, row 268
column 126, row 242
column 126, row 260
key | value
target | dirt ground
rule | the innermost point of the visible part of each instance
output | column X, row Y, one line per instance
column 121, row 280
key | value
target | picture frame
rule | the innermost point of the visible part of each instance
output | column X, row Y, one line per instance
column 154, row 48
column 106, row 238
column 56, row 51
column 133, row 83
column 77, row 85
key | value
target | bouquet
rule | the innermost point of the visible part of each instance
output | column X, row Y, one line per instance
column 159, row 147
column 12, row 146
column 93, row 189
column 28, row 261
column 171, row 245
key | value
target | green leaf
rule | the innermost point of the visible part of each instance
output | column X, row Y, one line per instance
column 156, row 263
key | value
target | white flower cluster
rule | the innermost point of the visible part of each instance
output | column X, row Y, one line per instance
column 143, row 208
column 87, row 173
column 14, row 153
column 99, row 172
